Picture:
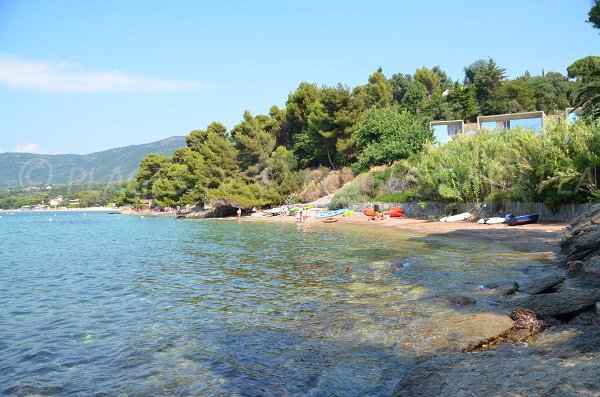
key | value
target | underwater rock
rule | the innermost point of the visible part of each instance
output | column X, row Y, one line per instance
column 500, row 289
column 455, row 332
column 460, row 300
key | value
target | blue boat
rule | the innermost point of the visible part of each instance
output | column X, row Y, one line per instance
column 512, row 220
column 329, row 214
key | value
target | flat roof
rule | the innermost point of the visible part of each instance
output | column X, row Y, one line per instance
column 446, row 122
column 511, row 116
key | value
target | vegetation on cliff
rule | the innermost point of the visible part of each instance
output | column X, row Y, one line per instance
column 517, row 165
column 266, row 159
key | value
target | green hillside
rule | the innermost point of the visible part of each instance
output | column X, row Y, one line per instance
column 114, row 165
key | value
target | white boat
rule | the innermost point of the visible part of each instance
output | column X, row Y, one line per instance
column 491, row 221
column 455, row 218
column 272, row 212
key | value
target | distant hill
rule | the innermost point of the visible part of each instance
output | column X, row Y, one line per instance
column 114, row 165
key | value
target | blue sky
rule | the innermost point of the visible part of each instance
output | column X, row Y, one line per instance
column 84, row 76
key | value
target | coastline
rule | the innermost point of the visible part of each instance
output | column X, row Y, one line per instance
column 539, row 238
column 84, row 209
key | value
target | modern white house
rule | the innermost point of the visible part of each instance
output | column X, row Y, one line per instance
column 508, row 121
column 444, row 131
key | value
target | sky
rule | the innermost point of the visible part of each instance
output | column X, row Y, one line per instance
column 85, row 76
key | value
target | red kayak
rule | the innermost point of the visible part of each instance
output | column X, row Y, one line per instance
column 395, row 214
column 370, row 212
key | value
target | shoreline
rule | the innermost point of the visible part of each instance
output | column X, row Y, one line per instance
column 541, row 238
column 84, row 209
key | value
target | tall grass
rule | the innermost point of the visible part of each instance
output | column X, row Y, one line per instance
column 554, row 167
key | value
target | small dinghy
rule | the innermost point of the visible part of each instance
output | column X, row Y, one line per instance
column 456, row 218
column 512, row 220
column 331, row 214
column 492, row 221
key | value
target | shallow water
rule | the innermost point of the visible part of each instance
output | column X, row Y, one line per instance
column 98, row 304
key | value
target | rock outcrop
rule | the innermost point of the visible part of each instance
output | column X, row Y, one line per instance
column 582, row 240
column 542, row 285
column 562, row 361
column 558, row 303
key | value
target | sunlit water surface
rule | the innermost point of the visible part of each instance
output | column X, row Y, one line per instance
column 107, row 305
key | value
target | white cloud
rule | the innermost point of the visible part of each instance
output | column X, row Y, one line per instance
column 29, row 148
column 1, row 150
column 53, row 76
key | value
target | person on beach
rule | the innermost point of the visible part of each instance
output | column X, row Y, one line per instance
column 305, row 215
column 298, row 215
column 239, row 213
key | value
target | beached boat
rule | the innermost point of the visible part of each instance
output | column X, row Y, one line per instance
column 330, row 220
column 370, row 212
column 272, row 212
column 456, row 218
column 492, row 221
column 512, row 220
column 330, row 214
column 394, row 213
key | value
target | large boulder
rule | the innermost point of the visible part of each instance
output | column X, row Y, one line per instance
column 583, row 237
column 455, row 332
column 558, row 303
column 551, row 368
column 541, row 285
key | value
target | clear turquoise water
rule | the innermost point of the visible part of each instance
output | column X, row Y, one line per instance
column 108, row 305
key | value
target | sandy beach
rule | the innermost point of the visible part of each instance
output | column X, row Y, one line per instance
column 542, row 238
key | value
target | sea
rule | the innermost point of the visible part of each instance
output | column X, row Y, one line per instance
column 96, row 304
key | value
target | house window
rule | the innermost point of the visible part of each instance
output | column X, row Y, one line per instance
column 441, row 133
column 488, row 125
column 453, row 130
column 534, row 124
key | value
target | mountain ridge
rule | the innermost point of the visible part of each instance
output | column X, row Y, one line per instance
column 113, row 165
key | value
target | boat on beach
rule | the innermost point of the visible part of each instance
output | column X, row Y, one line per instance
column 331, row 214
column 330, row 220
column 512, row 220
column 492, row 220
column 456, row 218
column 394, row 213
column 370, row 212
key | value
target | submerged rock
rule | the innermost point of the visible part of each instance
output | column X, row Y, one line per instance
column 460, row 300
column 455, row 332
column 500, row 289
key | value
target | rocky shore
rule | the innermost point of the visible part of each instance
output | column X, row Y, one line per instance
column 550, row 344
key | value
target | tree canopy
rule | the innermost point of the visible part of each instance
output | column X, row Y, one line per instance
column 262, row 159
